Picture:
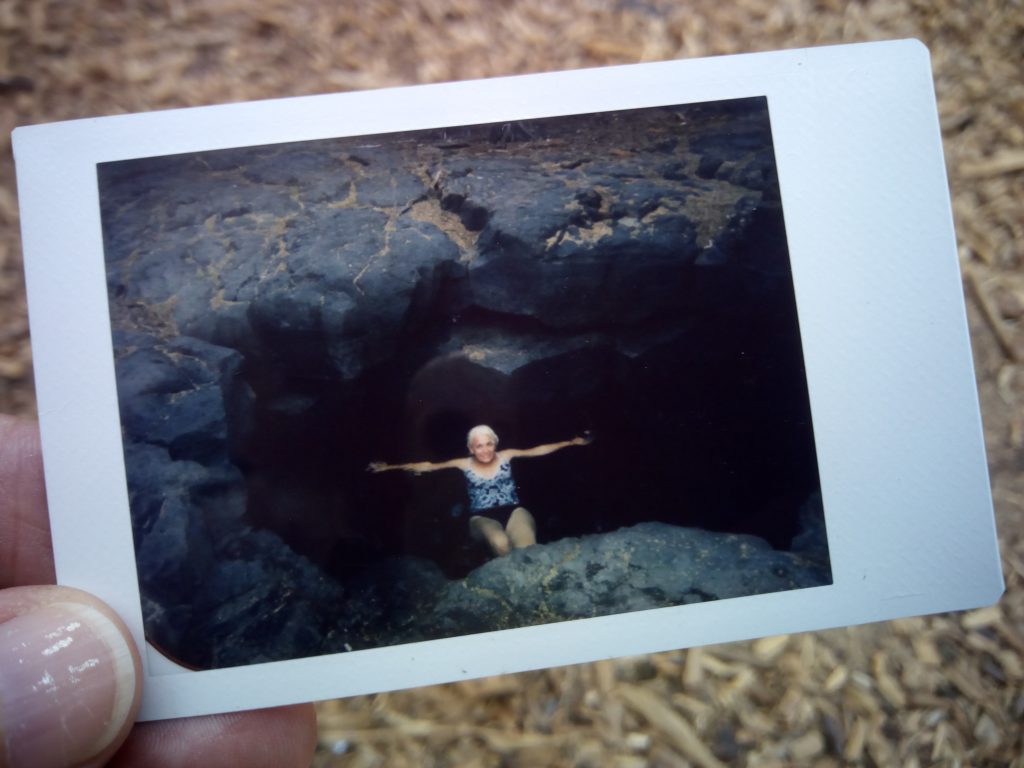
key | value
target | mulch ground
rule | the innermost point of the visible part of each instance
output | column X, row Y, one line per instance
column 939, row 690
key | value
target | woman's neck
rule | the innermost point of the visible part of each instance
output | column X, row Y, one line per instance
column 485, row 469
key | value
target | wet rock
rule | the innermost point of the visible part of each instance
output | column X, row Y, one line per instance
column 650, row 565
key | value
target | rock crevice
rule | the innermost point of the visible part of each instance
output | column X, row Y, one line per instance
column 284, row 315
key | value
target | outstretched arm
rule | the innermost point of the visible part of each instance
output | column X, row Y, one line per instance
column 544, row 450
column 418, row 467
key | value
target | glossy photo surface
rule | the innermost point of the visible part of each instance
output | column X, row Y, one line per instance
column 286, row 316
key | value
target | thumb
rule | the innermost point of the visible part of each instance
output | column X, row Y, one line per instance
column 70, row 678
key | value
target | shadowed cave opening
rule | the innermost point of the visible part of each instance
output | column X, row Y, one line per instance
column 707, row 426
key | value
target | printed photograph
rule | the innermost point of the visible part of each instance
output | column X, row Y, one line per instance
column 386, row 389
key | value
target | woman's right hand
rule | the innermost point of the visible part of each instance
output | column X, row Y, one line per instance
column 376, row 466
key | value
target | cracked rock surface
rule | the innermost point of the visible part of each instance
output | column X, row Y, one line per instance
column 284, row 315
column 650, row 565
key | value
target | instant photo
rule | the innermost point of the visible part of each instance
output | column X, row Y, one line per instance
column 304, row 335
column 350, row 393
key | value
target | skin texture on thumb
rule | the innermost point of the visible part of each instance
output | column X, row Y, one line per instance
column 70, row 679
column 41, row 707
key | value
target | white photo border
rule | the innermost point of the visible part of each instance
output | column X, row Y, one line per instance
column 882, row 321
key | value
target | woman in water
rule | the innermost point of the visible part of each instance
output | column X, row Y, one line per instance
column 497, row 516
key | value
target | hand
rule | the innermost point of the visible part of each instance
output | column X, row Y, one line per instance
column 66, row 657
column 376, row 466
column 586, row 439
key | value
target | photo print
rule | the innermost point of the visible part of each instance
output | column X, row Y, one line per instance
column 305, row 335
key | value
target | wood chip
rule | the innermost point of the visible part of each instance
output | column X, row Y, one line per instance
column 854, row 750
column 983, row 617
column 887, row 684
column 671, row 724
column 1008, row 161
column 693, row 670
column 694, row 707
column 803, row 749
column 768, row 648
column 987, row 733
column 836, row 679
column 637, row 742
column 925, row 651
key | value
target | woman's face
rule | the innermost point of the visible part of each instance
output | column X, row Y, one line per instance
column 483, row 449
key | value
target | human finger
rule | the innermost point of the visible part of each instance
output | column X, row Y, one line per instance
column 70, row 681
column 26, row 556
column 282, row 737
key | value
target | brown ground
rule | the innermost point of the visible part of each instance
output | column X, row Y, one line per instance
column 945, row 690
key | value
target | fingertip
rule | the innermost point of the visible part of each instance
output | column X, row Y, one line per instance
column 65, row 657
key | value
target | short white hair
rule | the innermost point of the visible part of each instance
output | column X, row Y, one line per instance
column 481, row 429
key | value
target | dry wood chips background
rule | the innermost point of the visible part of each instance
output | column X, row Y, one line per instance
column 942, row 690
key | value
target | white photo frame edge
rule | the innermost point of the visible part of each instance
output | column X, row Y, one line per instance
column 882, row 322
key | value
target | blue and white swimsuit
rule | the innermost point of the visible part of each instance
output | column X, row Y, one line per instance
column 486, row 493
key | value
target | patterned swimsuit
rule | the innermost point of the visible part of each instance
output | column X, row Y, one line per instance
column 486, row 493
